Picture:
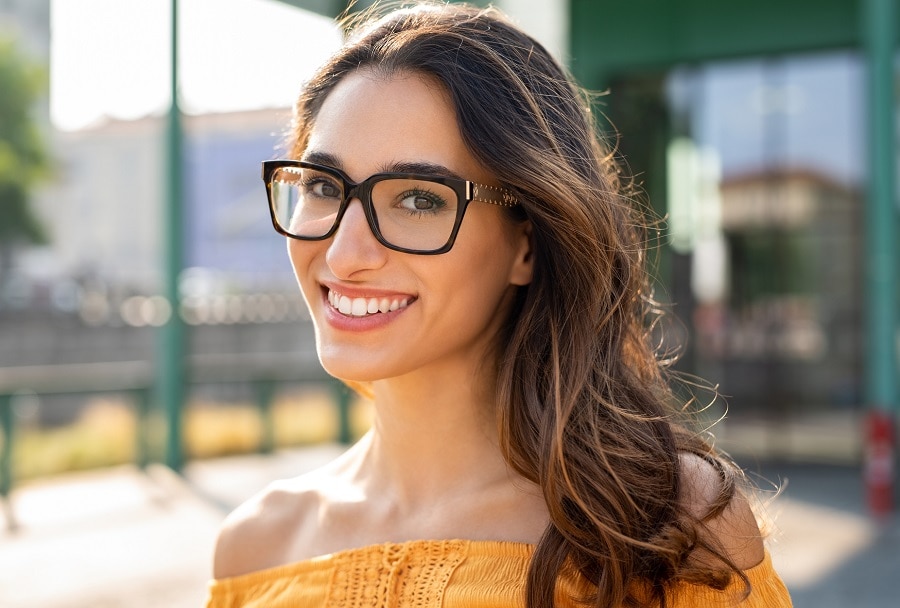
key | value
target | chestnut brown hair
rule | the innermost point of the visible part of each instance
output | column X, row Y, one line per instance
column 583, row 405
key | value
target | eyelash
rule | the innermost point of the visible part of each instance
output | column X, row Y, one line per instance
column 310, row 183
column 435, row 199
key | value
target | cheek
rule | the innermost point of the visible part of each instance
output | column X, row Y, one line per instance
column 490, row 247
column 295, row 255
column 480, row 276
column 301, row 254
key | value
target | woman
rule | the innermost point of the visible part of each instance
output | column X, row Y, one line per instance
column 470, row 261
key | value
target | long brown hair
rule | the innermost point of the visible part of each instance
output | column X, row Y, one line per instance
column 583, row 405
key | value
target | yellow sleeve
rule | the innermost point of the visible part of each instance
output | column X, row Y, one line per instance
column 767, row 590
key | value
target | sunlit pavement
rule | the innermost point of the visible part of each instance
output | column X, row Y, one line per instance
column 828, row 549
column 122, row 537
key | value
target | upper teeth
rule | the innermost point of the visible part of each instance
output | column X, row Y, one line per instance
column 360, row 307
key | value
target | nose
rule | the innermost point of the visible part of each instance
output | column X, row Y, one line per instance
column 353, row 247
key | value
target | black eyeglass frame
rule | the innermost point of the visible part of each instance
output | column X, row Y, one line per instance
column 466, row 192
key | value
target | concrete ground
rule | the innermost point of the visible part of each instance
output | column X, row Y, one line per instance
column 126, row 538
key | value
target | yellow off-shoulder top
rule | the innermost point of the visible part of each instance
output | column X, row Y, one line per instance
column 441, row 573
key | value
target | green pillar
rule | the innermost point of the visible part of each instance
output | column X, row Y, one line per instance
column 265, row 391
column 142, row 427
column 7, row 420
column 343, row 399
column 881, row 214
column 6, row 450
column 170, row 366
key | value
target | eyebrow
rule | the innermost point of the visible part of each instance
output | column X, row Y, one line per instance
column 422, row 168
column 322, row 158
column 417, row 167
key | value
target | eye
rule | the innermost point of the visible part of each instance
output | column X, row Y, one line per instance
column 322, row 187
column 421, row 201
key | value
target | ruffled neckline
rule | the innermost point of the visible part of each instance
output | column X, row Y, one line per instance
column 449, row 547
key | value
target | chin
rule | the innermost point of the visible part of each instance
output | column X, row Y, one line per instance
column 352, row 368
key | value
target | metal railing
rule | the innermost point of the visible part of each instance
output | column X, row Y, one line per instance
column 263, row 372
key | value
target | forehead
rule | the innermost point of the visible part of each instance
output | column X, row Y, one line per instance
column 371, row 121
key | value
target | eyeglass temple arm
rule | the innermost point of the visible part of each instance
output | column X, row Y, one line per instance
column 492, row 195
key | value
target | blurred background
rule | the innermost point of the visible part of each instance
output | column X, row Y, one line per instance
column 156, row 362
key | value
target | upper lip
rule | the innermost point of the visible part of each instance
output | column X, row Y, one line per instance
column 364, row 292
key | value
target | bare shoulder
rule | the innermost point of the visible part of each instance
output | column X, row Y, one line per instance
column 734, row 529
column 261, row 532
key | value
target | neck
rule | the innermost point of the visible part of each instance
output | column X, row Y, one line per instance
column 434, row 435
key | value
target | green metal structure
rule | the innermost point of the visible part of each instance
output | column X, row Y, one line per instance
column 610, row 39
column 170, row 384
column 880, row 29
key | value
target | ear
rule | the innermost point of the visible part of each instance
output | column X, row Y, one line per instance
column 522, row 268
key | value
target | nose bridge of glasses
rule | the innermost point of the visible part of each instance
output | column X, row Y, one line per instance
column 362, row 193
column 353, row 191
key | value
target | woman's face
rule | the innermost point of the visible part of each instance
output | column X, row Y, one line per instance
column 448, row 306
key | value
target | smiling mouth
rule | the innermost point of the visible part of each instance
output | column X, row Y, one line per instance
column 362, row 307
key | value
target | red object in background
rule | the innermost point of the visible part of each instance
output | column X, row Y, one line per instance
column 879, row 462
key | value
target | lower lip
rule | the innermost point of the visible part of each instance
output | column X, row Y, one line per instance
column 344, row 322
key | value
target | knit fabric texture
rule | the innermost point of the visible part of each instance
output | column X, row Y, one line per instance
column 444, row 574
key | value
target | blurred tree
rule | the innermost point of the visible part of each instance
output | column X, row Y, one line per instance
column 24, row 159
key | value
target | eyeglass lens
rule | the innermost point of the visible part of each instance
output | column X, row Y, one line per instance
column 410, row 213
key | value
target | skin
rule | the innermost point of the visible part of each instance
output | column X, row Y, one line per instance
column 431, row 466
column 458, row 299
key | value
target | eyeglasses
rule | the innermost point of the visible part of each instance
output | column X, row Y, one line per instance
column 406, row 212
